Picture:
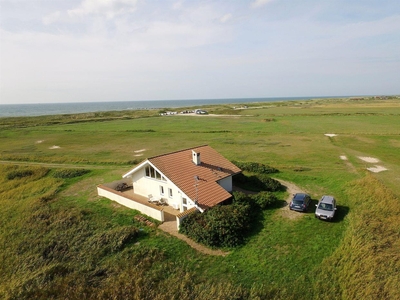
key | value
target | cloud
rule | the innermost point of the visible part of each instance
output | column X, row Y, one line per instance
column 177, row 5
column 259, row 3
column 51, row 18
column 225, row 18
column 108, row 8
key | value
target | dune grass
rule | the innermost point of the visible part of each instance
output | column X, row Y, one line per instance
column 366, row 264
column 60, row 240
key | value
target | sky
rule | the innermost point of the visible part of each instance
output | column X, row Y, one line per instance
column 54, row 51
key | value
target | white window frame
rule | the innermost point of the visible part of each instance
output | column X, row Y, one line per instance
column 152, row 173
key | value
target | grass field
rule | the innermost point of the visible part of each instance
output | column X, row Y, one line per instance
column 60, row 240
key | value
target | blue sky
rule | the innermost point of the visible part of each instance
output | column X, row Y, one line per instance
column 123, row 50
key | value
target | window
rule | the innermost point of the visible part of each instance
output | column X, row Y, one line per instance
column 153, row 173
column 161, row 190
column 170, row 193
column 184, row 204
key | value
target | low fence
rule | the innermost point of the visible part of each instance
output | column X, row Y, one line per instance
column 123, row 199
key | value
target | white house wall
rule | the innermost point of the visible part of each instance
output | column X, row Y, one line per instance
column 145, row 186
column 226, row 183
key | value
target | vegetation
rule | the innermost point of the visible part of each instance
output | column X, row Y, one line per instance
column 19, row 174
column 220, row 226
column 260, row 182
column 259, row 201
column 228, row 226
column 255, row 167
column 60, row 240
column 69, row 173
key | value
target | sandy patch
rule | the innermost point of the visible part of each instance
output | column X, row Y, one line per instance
column 138, row 151
column 369, row 159
column 343, row 157
column 330, row 134
column 39, row 141
column 138, row 154
column 377, row 169
column 285, row 211
column 54, row 147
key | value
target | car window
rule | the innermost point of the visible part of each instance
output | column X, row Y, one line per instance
column 325, row 206
column 297, row 201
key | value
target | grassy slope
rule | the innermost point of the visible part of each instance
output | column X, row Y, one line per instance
column 282, row 259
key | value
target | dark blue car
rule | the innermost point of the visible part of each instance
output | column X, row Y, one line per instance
column 300, row 202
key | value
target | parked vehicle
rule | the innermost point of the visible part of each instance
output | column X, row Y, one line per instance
column 326, row 208
column 300, row 202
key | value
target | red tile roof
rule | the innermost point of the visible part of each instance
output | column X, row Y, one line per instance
column 182, row 171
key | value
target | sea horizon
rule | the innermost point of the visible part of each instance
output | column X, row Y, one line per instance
column 43, row 109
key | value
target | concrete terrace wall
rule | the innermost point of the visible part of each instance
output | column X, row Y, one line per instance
column 116, row 196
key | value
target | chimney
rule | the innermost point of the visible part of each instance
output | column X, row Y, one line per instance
column 196, row 157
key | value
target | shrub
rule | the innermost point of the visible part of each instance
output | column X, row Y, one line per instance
column 241, row 198
column 69, row 173
column 255, row 167
column 265, row 199
column 270, row 184
column 19, row 174
column 261, row 200
column 257, row 183
column 220, row 226
column 133, row 162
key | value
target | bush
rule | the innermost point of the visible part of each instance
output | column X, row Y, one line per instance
column 220, row 226
column 254, row 167
column 261, row 200
column 270, row 184
column 265, row 199
column 257, row 183
column 19, row 174
column 241, row 198
column 69, row 173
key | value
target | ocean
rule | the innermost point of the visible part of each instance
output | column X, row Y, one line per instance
column 41, row 109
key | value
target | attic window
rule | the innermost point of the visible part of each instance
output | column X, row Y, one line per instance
column 153, row 173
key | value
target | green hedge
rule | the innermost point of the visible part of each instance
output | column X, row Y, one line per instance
column 262, row 200
column 69, row 173
column 257, row 183
column 254, row 167
column 220, row 226
column 265, row 200
column 19, row 174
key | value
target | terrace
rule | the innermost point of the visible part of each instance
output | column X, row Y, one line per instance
column 126, row 196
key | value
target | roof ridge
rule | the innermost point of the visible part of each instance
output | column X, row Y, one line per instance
column 177, row 151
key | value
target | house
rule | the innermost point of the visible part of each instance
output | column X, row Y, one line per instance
column 195, row 178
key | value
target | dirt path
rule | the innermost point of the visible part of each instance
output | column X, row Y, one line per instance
column 291, row 189
column 170, row 227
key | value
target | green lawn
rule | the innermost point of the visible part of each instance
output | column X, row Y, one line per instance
column 60, row 240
